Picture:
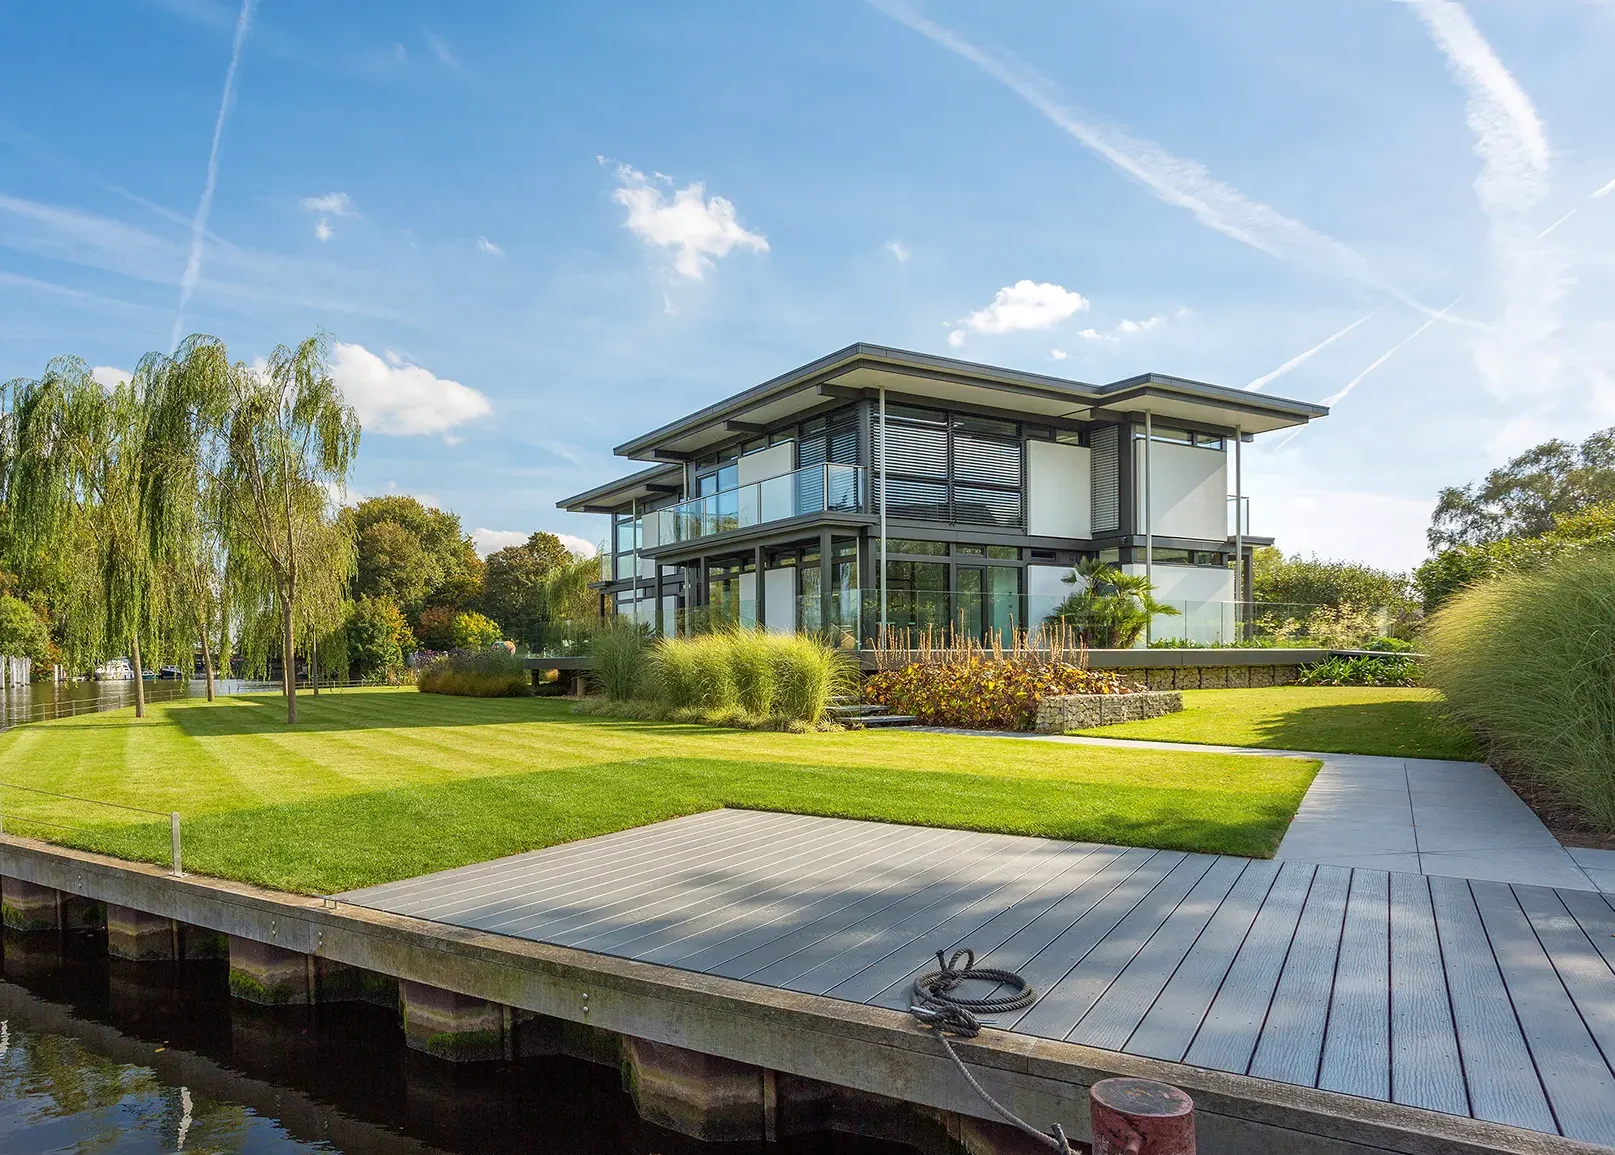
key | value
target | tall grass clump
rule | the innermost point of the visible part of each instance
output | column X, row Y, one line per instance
column 807, row 674
column 617, row 656
column 752, row 662
column 493, row 672
column 744, row 678
column 1527, row 660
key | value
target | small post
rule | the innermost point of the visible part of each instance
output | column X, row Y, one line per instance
column 1140, row 1117
column 173, row 834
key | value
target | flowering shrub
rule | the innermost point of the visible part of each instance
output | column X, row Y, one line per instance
column 984, row 695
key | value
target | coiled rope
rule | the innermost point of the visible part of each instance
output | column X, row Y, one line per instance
column 936, row 1006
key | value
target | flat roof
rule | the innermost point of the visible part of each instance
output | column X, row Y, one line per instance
column 865, row 369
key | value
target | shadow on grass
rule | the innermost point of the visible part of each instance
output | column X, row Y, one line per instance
column 1406, row 728
column 358, row 709
column 342, row 843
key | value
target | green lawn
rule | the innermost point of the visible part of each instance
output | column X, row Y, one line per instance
column 373, row 785
column 1326, row 719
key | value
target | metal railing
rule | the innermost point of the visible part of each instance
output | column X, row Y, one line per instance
column 813, row 489
column 176, row 867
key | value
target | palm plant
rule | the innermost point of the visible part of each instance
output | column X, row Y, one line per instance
column 1110, row 609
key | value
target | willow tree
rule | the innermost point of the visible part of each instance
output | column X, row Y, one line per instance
column 72, row 482
column 289, row 439
column 182, row 457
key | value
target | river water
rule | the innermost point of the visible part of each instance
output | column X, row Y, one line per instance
column 44, row 700
column 101, row 1055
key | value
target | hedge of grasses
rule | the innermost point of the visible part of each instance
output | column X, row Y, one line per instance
column 738, row 678
column 493, row 672
column 1527, row 660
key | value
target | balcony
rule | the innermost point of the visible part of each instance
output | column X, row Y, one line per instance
column 815, row 489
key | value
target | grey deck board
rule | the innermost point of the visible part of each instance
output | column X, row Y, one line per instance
column 1503, row 1082
column 1228, row 1035
column 1116, row 1013
column 1467, row 998
column 1580, row 1085
column 1426, row 1068
column 1292, row 1039
column 1357, row 1042
column 1170, row 1022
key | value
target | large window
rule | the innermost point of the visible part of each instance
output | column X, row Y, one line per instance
column 953, row 467
column 626, row 542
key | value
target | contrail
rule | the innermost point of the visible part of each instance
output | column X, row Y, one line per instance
column 1597, row 193
column 193, row 266
column 1512, row 146
column 1301, row 358
column 1176, row 180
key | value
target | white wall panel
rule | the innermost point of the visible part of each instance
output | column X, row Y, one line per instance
column 1059, row 490
column 1190, row 491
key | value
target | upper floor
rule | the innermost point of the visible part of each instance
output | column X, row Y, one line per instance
column 941, row 445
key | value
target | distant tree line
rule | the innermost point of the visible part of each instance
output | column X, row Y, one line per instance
column 193, row 510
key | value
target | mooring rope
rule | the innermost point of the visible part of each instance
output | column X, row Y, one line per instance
column 936, row 1006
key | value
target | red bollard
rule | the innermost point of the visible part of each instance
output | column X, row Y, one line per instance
column 1140, row 1117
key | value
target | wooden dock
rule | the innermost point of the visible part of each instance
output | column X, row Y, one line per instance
column 1473, row 999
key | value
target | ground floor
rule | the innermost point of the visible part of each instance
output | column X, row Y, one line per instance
column 835, row 581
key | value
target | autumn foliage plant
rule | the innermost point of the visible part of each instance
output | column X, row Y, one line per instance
column 980, row 694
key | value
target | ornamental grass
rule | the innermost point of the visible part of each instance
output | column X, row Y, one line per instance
column 1527, row 660
column 492, row 672
column 977, row 694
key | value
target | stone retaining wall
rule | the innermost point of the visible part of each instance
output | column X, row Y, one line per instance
column 1206, row 677
column 1057, row 714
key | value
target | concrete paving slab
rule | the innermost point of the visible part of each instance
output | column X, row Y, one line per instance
column 1599, row 865
column 1527, row 867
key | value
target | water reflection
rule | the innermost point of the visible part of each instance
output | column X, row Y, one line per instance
column 43, row 701
column 98, row 1054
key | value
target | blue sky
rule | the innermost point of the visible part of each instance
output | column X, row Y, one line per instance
column 536, row 230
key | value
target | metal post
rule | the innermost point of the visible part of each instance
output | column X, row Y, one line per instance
column 173, row 836
column 1239, row 534
column 1140, row 1117
column 1149, row 519
column 883, row 622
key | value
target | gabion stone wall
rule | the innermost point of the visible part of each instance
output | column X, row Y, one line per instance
column 1056, row 715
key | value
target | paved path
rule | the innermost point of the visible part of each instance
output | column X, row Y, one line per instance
column 1419, row 815
column 1464, row 997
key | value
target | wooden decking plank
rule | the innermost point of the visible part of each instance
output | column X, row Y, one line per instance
column 989, row 884
column 1503, row 1083
column 1292, row 1038
column 1170, row 1022
column 1113, row 930
column 841, row 905
column 1426, row 1068
column 754, row 904
column 1116, row 1013
column 1227, row 1037
column 541, row 878
column 534, row 912
column 708, row 893
column 411, row 895
column 1579, row 1082
column 889, row 982
column 1596, row 917
column 1357, row 1039
column 937, row 893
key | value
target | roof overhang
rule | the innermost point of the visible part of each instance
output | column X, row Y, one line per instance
column 647, row 484
column 863, row 370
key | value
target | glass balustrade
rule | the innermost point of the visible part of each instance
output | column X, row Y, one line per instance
column 814, row 489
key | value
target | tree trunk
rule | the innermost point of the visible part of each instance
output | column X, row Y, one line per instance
column 288, row 658
column 140, row 682
column 201, row 630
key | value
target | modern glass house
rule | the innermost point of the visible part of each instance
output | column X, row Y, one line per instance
column 876, row 485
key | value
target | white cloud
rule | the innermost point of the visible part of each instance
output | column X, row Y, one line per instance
column 1058, row 354
column 899, row 251
column 1021, row 307
column 489, row 540
column 699, row 227
column 336, row 204
column 322, row 229
column 441, row 50
column 110, row 376
column 484, row 245
column 1513, row 357
column 393, row 396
